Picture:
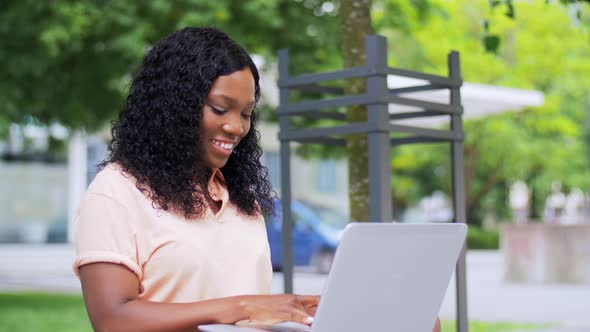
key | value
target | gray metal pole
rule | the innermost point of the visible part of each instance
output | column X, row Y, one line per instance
column 379, row 143
column 458, row 190
column 287, row 226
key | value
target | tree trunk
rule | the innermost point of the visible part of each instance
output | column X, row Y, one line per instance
column 355, row 25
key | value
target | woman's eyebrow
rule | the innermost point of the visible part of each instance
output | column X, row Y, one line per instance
column 233, row 101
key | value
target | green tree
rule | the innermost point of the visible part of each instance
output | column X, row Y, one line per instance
column 355, row 18
column 544, row 49
column 71, row 62
column 356, row 22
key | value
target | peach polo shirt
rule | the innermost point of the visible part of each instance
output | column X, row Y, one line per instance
column 175, row 259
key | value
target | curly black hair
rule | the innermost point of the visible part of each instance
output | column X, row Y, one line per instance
column 157, row 136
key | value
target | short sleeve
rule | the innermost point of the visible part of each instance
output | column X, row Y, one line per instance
column 103, row 232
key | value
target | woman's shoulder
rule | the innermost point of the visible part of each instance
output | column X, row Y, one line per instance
column 113, row 181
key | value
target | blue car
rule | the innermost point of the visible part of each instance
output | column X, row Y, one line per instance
column 316, row 232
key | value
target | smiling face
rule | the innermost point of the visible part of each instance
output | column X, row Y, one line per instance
column 226, row 116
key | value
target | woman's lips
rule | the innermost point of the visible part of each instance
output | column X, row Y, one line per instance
column 223, row 145
column 223, row 148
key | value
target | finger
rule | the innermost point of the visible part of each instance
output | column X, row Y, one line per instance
column 308, row 300
column 304, row 319
column 311, row 306
column 299, row 310
column 286, row 314
column 256, row 323
column 299, row 313
column 312, row 310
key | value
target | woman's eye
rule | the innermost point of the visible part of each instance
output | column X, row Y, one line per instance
column 217, row 110
column 246, row 116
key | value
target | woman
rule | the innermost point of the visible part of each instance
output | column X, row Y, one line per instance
column 170, row 234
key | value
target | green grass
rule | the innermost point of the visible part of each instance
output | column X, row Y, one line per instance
column 479, row 238
column 476, row 326
column 41, row 312
column 20, row 312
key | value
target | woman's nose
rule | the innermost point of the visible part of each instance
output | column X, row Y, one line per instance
column 233, row 126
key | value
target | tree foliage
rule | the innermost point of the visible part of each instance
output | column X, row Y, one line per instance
column 71, row 61
column 543, row 48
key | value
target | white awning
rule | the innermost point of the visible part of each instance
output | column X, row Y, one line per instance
column 478, row 100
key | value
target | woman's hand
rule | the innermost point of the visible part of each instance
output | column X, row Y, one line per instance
column 436, row 327
column 273, row 309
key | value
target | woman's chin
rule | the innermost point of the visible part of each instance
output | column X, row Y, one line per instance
column 216, row 162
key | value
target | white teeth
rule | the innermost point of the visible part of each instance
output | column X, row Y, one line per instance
column 226, row 146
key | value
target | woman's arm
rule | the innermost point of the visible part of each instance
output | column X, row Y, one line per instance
column 111, row 291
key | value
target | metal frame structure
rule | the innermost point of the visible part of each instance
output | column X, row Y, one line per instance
column 379, row 126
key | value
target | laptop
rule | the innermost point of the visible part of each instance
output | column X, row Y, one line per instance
column 385, row 277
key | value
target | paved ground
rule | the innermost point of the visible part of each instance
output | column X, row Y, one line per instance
column 48, row 268
column 492, row 299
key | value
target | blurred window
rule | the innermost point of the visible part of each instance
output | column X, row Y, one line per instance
column 326, row 182
column 273, row 163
